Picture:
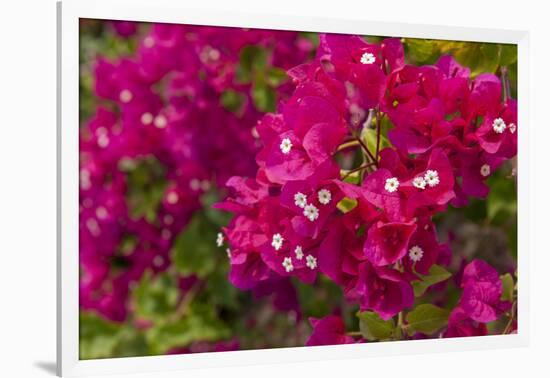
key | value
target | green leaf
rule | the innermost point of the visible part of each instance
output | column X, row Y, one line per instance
column 375, row 328
column 502, row 200
column 200, row 324
column 146, row 186
column 276, row 76
column 507, row 287
column 264, row 97
column 232, row 100
column 437, row 274
column 427, row 319
column 155, row 298
column 97, row 337
column 252, row 59
column 346, row 204
column 508, row 54
column 194, row 251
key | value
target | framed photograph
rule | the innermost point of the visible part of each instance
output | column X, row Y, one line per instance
column 254, row 188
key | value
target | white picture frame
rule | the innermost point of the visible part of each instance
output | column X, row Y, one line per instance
column 173, row 11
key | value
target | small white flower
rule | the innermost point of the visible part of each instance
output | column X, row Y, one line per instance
column 103, row 140
column 300, row 200
column 160, row 121
column 101, row 213
column 219, row 239
column 432, row 178
column 311, row 262
column 172, row 198
column 287, row 264
column 286, row 146
column 228, row 251
column 368, row 58
column 485, row 170
column 499, row 126
column 416, row 253
column 391, row 184
column 147, row 118
column 149, row 42
column 277, row 241
column 512, row 127
column 419, row 182
column 125, row 96
column 299, row 252
column 324, row 196
column 311, row 212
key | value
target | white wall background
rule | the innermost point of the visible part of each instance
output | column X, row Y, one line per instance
column 27, row 187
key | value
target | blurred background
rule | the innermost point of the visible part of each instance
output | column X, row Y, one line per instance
column 167, row 116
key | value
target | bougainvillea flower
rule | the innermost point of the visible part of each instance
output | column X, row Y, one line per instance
column 461, row 325
column 498, row 132
column 329, row 330
column 387, row 242
column 381, row 289
column 423, row 248
column 482, row 291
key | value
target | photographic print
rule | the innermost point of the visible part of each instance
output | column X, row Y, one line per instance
column 254, row 189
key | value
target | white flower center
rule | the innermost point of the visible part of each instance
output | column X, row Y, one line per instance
column 219, row 239
column 419, row 182
column 499, row 126
column 172, row 198
column 512, row 127
column 311, row 212
column 160, row 121
column 287, row 264
column 368, row 58
column 485, row 170
column 300, row 200
column 432, row 178
column 416, row 253
column 149, row 42
column 299, row 252
column 125, row 96
column 103, row 140
column 101, row 213
column 391, row 184
column 311, row 262
column 286, row 146
column 146, row 118
column 277, row 241
column 324, row 196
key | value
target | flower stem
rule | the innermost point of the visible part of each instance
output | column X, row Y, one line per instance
column 346, row 145
column 507, row 94
column 358, row 169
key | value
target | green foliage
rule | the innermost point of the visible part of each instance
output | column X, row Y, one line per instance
column 437, row 274
column 346, row 204
column 427, row 319
column 232, row 100
column 193, row 251
column 98, row 337
column 501, row 202
column 146, row 186
column 479, row 57
column 200, row 323
column 373, row 327
column 508, row 287
column 157, row 298
column 254, row 69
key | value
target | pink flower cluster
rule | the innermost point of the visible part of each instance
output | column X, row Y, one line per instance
column 449, row 134
column 162, row 106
